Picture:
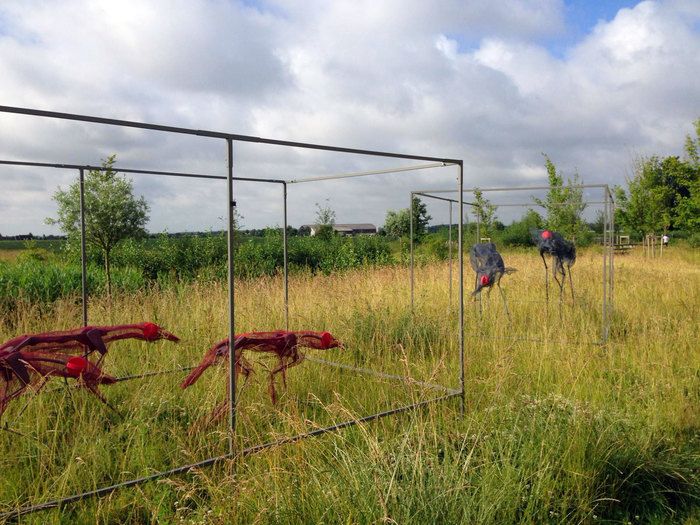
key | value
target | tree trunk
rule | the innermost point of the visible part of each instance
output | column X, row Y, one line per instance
column 108, row 274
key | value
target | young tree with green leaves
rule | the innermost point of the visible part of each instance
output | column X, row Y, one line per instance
column 398, row 223
column 564, row 203
column 112, row 212
column 484, row 212
column 325, row 219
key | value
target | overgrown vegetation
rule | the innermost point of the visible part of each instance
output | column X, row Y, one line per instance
column 663, row 195
column 554, row 431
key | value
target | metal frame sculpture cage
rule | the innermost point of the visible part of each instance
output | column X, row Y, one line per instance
column 229, row 139
column 608, row 238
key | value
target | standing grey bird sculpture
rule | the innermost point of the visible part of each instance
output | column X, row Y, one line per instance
column 563, row 255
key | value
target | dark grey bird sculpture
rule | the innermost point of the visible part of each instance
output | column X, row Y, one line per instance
column 488, row 265
column 563, row 254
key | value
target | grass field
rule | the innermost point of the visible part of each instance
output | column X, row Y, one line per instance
column 556, row 427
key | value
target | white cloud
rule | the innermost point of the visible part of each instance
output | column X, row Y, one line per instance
column 452, row 79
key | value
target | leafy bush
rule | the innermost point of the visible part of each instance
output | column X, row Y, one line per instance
column 42, row 278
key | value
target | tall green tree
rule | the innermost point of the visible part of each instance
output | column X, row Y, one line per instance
column 398, row 223
column 564, row 202
column 664, row 193
column 112, row 212
column 687, row 213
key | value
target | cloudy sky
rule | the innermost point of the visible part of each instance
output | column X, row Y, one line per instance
column 592, row 84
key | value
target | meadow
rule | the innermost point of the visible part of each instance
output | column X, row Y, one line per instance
column 556, row 427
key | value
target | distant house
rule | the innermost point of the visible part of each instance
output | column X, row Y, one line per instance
column 342, row 229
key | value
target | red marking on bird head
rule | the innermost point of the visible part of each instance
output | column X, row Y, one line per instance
column 546, row 234
column 484, row 280
column 76, row 366
column 153, row 332
column 150, row 331
column 326, row 339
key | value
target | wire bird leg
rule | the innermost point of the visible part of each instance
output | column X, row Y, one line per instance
column 282, row 368
column 94, row 390
column 481, row 306
column 561, row 271
column 546, row 278
column 571, row 285
column 505, row 303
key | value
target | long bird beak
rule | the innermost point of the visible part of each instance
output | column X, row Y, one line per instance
column 167, row 335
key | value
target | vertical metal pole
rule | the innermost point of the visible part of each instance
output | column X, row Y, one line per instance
column 410, row 240
column 449, row 252
column 83, row 251
column 612, row 257
column 286, row 262
column 230, row 205
column 460, row 259
column 604, row 333
column 478, row 241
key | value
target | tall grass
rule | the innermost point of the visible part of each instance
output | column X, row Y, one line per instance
column 556, row 429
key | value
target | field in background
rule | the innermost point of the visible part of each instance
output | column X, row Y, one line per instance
column 556, row 428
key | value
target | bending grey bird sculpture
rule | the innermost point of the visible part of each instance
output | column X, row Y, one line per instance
column 489, row 267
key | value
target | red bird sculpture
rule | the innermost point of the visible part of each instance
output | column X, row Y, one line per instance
column 282, row 344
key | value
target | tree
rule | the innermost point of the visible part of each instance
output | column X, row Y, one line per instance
column 485, row 213
column 663, row 194
column 112, row 212
column 398, row 223
column 564, row 202
column 688, row 206
column 518, row 233
column 325, row 219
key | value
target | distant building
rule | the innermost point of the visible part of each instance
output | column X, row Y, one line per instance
column 342, row 229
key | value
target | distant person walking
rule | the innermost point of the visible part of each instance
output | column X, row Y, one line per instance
column 664, row 240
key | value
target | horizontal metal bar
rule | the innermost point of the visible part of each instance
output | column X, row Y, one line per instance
column 109, row 489
column 516, row 188
column 369, row 371
column 130, row 170
column 212, row 461
column 214, row 134
column 371, row 172
column 344, row 424
column 555, row 204
column 441, row 198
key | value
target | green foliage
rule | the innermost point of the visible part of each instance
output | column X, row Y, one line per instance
column 485, row 213
column 38, row 282
column 39, row 277
column 112, row 212
column 51, row 245
column 694, row 240
column 325, row 219
column 664, row 194
column 564, row 203
column 398, row 223
column 518, row 233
